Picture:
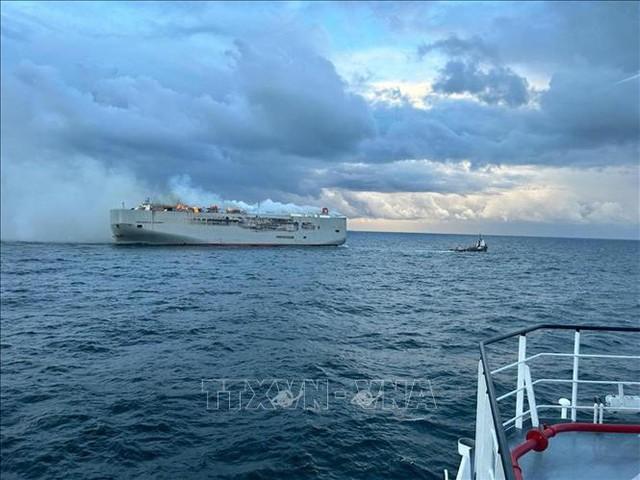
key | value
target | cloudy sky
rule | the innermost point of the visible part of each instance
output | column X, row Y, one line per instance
column 505, row 118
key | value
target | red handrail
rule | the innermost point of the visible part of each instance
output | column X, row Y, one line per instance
column 538, row 439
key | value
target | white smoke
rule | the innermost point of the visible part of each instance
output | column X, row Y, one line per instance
column 183, row 191
column 69, row 201
column 62, row 202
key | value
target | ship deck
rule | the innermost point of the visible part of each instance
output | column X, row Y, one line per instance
column 583, row 455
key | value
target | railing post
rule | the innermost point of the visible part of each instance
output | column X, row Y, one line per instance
column 522, row 354
column 464, row 471
column 483, row 422
column 531, row 397
column 574, row 383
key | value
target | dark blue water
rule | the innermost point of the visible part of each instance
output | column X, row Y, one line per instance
column 104, row 349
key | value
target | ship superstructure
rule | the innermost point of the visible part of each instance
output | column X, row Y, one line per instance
column 180, row 224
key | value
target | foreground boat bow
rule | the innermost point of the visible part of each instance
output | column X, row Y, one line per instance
column 587, row 440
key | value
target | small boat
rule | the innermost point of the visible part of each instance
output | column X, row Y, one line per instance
column 479, row 246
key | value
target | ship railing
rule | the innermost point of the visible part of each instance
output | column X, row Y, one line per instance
column 490, row 457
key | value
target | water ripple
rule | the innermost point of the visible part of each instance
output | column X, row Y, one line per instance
column 104, row 351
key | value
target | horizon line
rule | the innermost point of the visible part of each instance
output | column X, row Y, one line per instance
column 109, row 242
column 633, row 239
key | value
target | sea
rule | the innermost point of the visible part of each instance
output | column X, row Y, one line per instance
column 351, row 362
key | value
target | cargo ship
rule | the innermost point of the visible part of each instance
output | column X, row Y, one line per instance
column 160, row 224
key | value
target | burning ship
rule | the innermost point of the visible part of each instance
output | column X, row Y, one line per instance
column 158, row 224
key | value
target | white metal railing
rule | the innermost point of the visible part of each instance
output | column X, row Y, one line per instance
column 561, row 380
column 554, row 354
column 524, row 384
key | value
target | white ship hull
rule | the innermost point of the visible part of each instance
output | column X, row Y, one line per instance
column 151, row 227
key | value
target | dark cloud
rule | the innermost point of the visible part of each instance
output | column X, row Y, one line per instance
column 302, row 101
column 549, row 34
column 245, row 146
column 496, row 85
column 286, row 106
column 599, row 33
column 473, row 48
column 592, row 108
column 584, row 118
column 475, row 68
column 254, row 110
column 413, row 176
